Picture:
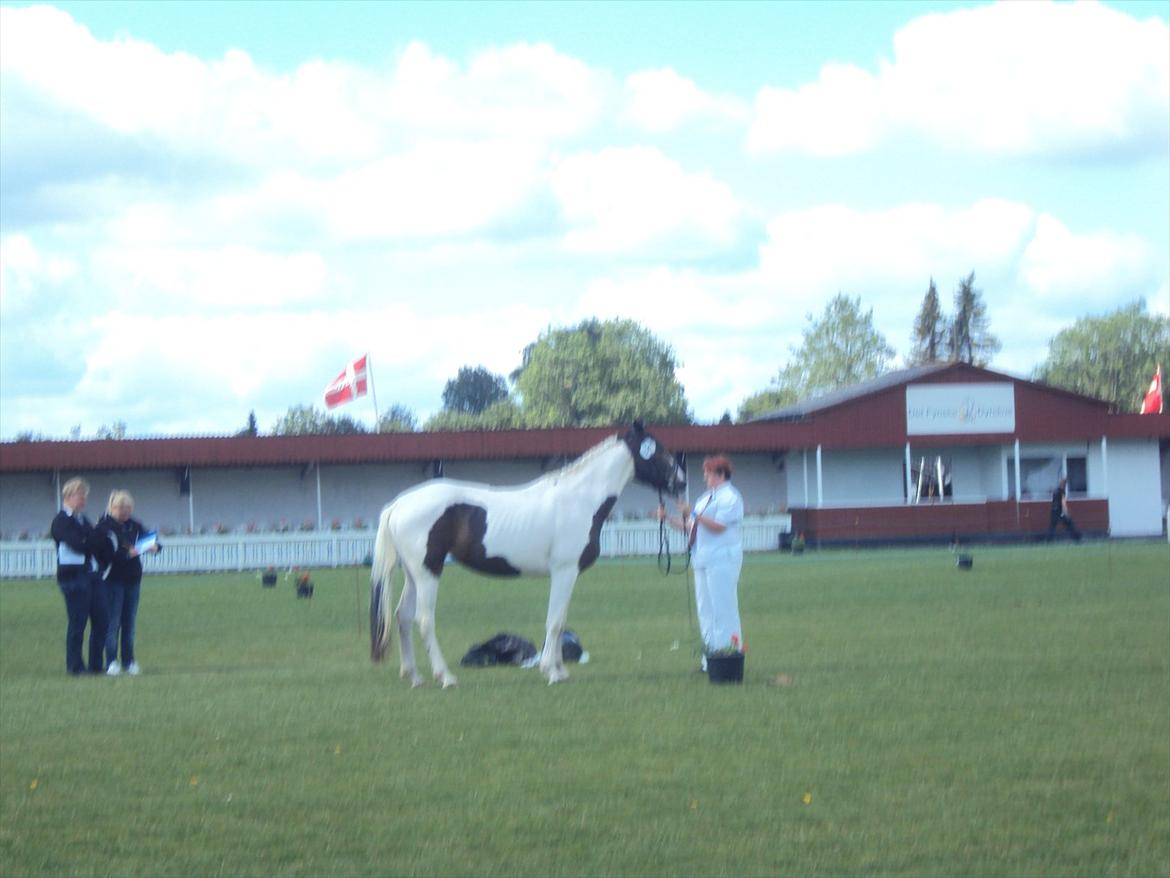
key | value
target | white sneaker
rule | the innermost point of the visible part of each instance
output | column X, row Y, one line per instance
column 114, row 669
column 133, row 670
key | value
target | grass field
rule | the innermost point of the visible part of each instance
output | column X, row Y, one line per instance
column 898, row 717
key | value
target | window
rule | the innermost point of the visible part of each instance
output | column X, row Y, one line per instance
column 930, row 479
column 1040, row 475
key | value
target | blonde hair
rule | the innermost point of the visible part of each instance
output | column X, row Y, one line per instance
column 75, row 486
column 119, row 498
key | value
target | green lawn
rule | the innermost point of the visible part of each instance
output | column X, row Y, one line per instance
column 898, row 717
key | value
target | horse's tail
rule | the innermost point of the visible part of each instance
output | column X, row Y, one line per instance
column 382, row 588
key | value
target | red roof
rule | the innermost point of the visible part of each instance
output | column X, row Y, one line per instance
column 872, row 419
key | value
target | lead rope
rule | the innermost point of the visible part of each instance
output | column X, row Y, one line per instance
column 664, row 565
column 665, row 560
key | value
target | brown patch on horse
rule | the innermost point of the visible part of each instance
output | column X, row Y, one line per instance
column 459, row 532
column 593, row 548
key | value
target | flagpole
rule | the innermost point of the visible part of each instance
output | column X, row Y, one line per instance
column 373, row 391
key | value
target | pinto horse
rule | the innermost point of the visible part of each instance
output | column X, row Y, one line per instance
column 551, row 525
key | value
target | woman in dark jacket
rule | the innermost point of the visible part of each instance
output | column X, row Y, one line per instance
column 123, row 577
column 79, row 553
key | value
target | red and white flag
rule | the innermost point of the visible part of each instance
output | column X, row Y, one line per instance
column 349, row 385
column 1152, row 404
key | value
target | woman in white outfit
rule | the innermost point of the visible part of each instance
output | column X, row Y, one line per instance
column 714, row 526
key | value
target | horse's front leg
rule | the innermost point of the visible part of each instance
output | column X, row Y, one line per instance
column 552, row 662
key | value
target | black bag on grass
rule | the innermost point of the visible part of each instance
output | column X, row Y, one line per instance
column 503, row 649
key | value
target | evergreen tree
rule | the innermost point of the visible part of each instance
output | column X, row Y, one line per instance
column 929, row 337
column 970, row 339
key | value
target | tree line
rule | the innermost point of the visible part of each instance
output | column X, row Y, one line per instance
column 599, row 373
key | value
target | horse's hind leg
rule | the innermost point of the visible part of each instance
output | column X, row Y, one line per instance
column 428, row 593
column 405, row 614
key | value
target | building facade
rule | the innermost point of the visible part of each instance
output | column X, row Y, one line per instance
column 936, row 453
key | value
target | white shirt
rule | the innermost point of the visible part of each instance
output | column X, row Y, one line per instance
column 725, row 506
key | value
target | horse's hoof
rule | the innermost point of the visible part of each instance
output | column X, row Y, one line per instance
column 449, row 682
column 413, row 675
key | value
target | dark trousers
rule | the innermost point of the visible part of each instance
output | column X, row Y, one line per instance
column 84, row 603
column 122, row 609
column 1061, row 518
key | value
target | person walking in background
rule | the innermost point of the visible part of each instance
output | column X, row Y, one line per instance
column 1060, row 512
column 714, row 528
column 78, row 550
column 123, row 578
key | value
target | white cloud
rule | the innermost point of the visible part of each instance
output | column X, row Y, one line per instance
column 1009, row 78
column 1059, row 265
column 231, row 277
column 662, row 101
column 324, row 111
column 839, row 114
column 26, row 273
column 1035, row 273
column 638, row 199
column 834, row 248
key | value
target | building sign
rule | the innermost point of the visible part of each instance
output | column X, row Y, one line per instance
column 937, row 409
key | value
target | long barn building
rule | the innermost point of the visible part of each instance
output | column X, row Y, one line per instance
column 935, row 453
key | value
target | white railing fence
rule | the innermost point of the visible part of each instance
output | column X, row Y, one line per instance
column 204, row 554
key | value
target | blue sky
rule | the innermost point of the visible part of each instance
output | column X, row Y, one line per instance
column 207, row 208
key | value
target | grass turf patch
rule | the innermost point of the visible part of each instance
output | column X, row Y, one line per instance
column 898, row 717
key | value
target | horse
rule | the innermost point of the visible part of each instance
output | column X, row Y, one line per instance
column 550, row 525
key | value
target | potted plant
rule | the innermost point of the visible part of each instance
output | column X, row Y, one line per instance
column 268, row 577
column 726, row 665
column 798, row 544
column 304, row 586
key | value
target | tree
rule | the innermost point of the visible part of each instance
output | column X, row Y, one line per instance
column 251, row 428
column 970, row 339
column 1110, row 357
column 473, row 390
column 766, row 401
column 600, row 373
column 117, row 430
column 502, row 415
column 930, row 333
column 840, row 349
column 399, row 419
column 302, row 420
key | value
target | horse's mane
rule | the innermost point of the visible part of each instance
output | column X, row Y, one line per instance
column 584, row 460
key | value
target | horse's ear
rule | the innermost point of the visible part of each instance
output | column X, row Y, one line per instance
column 638, row 427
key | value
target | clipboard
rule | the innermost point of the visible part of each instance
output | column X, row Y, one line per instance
column 146, row 542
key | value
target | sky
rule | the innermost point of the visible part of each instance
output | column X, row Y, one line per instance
column 209, row 209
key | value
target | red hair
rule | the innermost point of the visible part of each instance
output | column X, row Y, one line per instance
column 718, row 463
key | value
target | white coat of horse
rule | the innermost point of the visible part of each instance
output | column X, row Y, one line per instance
column 551, row 525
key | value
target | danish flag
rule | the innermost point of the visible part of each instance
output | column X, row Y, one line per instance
column 349, row 385
column 1152, row 404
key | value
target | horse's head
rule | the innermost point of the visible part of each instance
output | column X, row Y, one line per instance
column 654, row 465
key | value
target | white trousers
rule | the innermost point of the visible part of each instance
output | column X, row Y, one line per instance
column 717, row 601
